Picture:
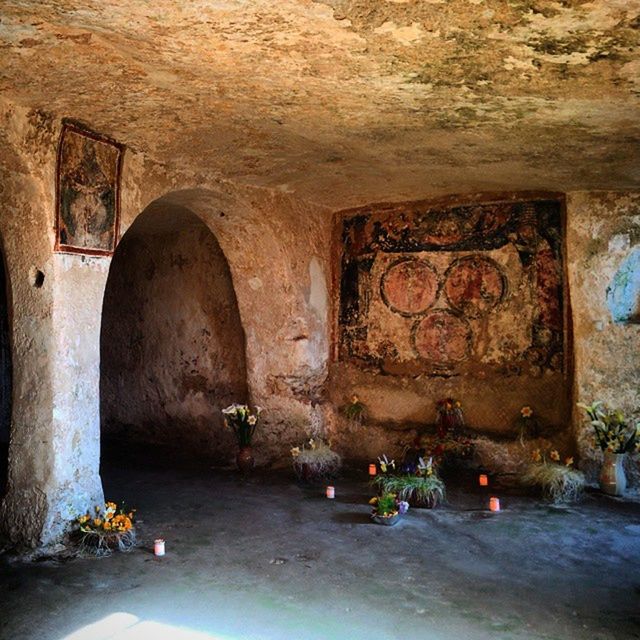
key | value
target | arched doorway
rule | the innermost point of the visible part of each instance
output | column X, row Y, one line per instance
column 172, row 344
column 5, row 377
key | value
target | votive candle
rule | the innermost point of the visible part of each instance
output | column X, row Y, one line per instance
column 484, row 480
column 373, row 470
column 494, row 503
column 158, row 547
column 331, row 492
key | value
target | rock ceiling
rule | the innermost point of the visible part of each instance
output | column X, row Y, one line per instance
column 345, row 101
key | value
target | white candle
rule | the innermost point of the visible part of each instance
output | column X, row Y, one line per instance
column 331, row 492
column 373, row 470
column 494, row 503
column 158, row 547
column 484, row 480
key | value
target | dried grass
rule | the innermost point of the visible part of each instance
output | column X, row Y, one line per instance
column 559, row 484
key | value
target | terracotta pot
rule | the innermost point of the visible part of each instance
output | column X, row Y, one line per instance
column 245, row 459
column 613, row 480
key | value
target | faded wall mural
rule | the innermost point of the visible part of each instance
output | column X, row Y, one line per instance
column 460, row 290
column 87, row 192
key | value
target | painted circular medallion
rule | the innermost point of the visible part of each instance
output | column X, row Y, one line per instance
column 409, row 286
column 474, row 285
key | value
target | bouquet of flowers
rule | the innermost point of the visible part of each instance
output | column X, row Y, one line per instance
column 613, row 432
column 108, row 528
column 242, row 421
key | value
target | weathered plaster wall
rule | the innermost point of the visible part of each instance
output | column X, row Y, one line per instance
column 5, row 365
column 603, row 229
column 278, row 254
column 52, row 463
column 172, row 345
column 461, row 299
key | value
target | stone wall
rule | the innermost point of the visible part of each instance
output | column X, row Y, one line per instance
column 603, row 230
column 172, row 345
column 453, row 299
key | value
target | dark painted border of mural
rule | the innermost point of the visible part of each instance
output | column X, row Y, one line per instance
column 69, row 124
column 347, row 272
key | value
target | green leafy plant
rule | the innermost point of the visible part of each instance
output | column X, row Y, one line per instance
column 417, row 490
column 384, row 505
column 560, row 483
column 315, row 460
column 354, row 410
column 613, row 431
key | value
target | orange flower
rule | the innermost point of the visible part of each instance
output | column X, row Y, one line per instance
column 526, row 412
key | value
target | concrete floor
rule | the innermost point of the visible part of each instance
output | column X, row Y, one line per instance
column 266, row 559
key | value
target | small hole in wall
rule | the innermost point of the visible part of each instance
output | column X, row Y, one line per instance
column 36, row 277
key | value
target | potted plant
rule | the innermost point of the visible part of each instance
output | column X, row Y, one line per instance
column 387, row 509
column 242, row 421
column 422, row 489
column 559, row 481
column 616, row 437
column 315, row 461
column 109, row 528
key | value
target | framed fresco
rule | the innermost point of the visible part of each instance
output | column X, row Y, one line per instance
column 87, row 191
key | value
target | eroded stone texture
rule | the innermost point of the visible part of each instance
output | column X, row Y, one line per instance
column 607, row 363
column 173, row 348
column 346, row 102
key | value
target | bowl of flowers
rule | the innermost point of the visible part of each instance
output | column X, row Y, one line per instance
column 387, row 509
column 110, row 528
column 315, row 461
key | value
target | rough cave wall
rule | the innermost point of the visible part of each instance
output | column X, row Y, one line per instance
column 172, row 349
column 462, row 300
column 5, row 366
column 603, row 230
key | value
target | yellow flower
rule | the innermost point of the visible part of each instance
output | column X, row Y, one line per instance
column 97, row 509
column 554, row 455
column 295, row 452
column 568, row 461
column 537, row 456
column 355, row 399
column 526, row 412
column 383, row 467
column 373, row 501
column 97, row 522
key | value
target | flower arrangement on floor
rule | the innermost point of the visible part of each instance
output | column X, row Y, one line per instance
column 243, row 422
column 315, row 461
column 420, row 486
column 108, row 529
column 559, row 481
column 613, row 432
column 387, row 508
column 355, row 410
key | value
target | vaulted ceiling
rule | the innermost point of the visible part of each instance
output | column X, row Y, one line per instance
column 346, row 101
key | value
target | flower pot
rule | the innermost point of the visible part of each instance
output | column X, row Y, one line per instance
column 418, row 503
column 613, row 480
column 245, row 459
column 387, row 521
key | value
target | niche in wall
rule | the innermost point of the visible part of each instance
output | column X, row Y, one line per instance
column 172, row 345
column 623, row 294
column 468, row 299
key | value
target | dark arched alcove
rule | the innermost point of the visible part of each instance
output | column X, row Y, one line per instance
column 5, row 376
column 172, row 344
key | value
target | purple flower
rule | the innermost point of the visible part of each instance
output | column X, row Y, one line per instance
column 403, row 507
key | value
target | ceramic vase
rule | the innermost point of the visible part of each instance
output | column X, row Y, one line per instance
column 245, row 459
column 613, row 480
